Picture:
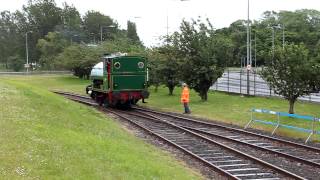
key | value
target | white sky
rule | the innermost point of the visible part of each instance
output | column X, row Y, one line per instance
column 152, row 21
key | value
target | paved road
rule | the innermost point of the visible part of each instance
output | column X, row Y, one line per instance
column 258, row 87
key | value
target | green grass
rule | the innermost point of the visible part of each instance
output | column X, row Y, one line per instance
column 45, row 136
column 234, row 109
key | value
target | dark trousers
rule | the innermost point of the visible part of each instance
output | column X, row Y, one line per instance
column 186, row 108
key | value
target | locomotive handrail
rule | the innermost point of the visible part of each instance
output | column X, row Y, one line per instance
column 312, row 131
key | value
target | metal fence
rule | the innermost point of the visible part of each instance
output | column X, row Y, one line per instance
column 236, row 82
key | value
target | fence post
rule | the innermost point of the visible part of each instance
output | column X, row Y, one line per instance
column 254, row 83
column 252, row 118
column 312, row 130
column 270, row 90
column 217, row 85
column 309, row 97
column 228, row 79
column 274, row 130
column 241, row 81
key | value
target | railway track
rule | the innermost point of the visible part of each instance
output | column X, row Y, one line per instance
column 195, row 138
column 295, row 152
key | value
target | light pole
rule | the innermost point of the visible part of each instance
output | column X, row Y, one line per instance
column 248, row 49
column 27, row 51
column 273, row 38
column 167, row 27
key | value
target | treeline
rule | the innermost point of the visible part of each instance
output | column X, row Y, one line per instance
column 286, row 44
column 301, row 26
column 49, row 30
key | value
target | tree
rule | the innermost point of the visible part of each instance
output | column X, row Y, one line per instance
column 290, row 73
column 44, row 15
column 9, row 39
column 94, row 22
column 154, row 58
column 71, row 27
column 199, row 44
column 132, row 32
column 50, row 47
column 164, row 67
column 170, row 67
column 16, row 63
column 80, row 59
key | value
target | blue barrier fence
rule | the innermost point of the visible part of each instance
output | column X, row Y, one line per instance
column 312, row 131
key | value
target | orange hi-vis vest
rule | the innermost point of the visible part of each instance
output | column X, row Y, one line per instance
column 185, row 95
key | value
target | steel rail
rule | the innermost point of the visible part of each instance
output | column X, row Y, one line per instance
column 281, row 171
column 261, row 162
column 309, row 148
column 221, row 171
column 305, row 161
column 299, row 159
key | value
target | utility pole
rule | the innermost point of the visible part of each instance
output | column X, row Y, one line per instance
column 100, row 34
column 255, row 49
column 248, row 49
column 27, row 52
column 167, row 28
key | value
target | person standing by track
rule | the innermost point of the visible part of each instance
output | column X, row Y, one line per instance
column 185, row 98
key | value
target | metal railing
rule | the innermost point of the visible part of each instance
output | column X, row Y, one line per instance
column 312, row 131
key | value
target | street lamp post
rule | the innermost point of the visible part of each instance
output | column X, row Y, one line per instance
column 27, row 51
column 273, row 37
column 248, row 49
column 167, row 21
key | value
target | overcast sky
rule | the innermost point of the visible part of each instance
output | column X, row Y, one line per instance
column 152, row 14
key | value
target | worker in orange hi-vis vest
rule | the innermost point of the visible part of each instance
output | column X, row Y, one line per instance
column 185, row 98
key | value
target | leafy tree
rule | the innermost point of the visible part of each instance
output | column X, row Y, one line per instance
column 71, row 17
column 164, row 67
column 50, row 47
column 71, row 27
column 154, row 58
column 170, row 67
column 44, row 15
column 80, row 59
column 289, row 73
column 94, row 21
column 199, row 44
column 9, row 38
column 123, row 44
column 16, row 63
column 132, row 32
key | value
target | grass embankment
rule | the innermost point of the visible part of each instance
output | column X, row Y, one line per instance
column 235, row 109
column 44, row 136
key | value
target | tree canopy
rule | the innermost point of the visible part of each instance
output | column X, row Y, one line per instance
column 290, row 73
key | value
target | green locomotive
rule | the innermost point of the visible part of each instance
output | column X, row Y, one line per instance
column 119, row 80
